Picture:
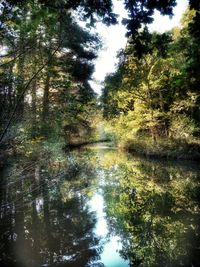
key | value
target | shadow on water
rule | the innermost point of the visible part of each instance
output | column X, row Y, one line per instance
column 99, row 207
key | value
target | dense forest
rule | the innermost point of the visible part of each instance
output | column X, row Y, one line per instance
column 47, row 61
column 152, row 100
column 150, row 105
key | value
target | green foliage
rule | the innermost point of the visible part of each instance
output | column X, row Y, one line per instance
column 155, row 95
column 182, row 126
column 46, row 70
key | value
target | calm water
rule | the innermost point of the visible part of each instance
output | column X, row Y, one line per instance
column 99, row 207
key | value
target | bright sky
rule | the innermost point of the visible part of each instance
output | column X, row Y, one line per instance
column 114, row 39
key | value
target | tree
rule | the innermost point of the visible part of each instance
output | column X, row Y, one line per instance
column 49, row 53
column 44, row 42
column 143, row 90
column 157, row 93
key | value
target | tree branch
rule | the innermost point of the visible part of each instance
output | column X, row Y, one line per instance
column 24, row 91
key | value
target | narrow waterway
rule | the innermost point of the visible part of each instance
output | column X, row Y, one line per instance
column 99, row 207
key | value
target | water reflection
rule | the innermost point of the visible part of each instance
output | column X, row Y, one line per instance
column 110, row 256
column 154, row 207
column 99, row 207
column 45, row 217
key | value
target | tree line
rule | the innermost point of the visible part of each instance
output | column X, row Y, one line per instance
column 47, row 61
column 155, row 95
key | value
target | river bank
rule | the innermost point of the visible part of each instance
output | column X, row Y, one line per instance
column 163, row 148
column 160, row 148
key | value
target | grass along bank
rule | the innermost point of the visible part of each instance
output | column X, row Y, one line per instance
column 163, row 147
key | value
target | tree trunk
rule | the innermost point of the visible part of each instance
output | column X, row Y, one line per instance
column 45, row 105
column 21, row 78
column 34, row 108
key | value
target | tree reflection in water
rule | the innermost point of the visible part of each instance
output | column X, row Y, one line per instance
column 154, row 207
column 47, row 220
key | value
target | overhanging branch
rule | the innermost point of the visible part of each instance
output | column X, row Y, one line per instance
column 24, row 91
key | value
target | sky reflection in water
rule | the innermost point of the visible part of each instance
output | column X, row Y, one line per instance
column 99, row 206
